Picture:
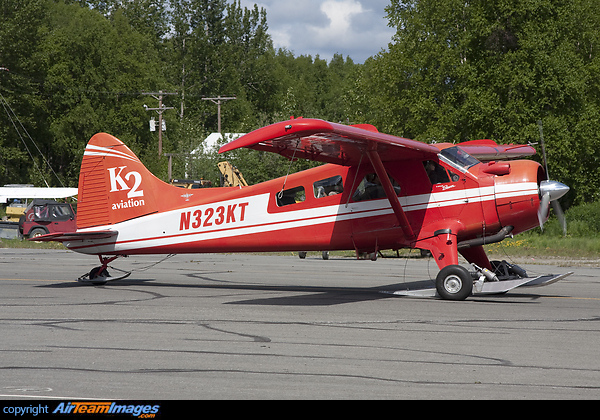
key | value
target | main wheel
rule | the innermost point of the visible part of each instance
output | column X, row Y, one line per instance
column 98, row 277
column 454, row 282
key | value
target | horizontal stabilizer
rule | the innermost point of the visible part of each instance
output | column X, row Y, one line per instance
column 75, row 236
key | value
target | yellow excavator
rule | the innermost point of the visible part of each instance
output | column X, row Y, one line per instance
column 231, row 176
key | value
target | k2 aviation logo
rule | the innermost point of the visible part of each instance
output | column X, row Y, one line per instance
column 130, row 182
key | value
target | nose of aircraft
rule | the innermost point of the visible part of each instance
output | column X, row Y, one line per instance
column 553, row 189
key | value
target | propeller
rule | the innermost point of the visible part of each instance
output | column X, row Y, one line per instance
column 550, row 192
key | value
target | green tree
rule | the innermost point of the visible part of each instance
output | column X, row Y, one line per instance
column 94, row 71
column 464, row 70
column 19, row 78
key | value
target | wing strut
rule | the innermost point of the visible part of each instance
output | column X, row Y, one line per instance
column 389, row 189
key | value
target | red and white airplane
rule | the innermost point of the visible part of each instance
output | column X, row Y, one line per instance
column 376, row 191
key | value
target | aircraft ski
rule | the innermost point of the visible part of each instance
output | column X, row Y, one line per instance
column 100, row 275
column 100, row 279
column 483, row 287
column 373, row 191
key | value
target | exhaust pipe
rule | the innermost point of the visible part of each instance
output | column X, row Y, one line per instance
column 500, row 236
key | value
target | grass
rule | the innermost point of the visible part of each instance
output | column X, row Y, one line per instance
column 21, row 243
column 547, row 246
column 524, row 245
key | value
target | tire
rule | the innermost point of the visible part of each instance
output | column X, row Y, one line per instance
column 454, row 282
column 97, row 277
column 35, row 232
column 302, row 254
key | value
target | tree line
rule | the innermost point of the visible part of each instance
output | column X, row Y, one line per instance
column 455, row 71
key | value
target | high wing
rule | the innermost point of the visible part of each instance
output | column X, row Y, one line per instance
column 329, row 142
column 323, row 141
column 313, row 139
column 487, row 150
column 9, row 192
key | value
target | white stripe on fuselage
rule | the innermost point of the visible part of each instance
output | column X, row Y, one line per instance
column 162, row 229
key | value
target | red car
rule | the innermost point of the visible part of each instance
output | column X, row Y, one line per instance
column 47, row 216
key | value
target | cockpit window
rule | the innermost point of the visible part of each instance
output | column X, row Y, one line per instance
column 459, row 157
column 436, row 173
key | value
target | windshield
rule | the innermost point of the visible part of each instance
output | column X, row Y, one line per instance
column 459, row 157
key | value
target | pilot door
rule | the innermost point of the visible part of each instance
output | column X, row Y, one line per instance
column 448, row 189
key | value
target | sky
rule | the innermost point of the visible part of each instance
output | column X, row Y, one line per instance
column 355, row 28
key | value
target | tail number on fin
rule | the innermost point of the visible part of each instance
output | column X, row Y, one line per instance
column 210, row 216
column 117, row 183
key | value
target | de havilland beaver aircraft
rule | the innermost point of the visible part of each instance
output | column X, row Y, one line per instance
column 374, row 192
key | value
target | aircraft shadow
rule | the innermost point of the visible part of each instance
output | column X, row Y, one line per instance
column 300, row 295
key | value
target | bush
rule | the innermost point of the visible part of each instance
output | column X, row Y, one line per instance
column 584, row 220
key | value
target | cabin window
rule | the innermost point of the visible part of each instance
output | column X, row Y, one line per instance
column 328, row 186
column 290, row 196
column 370, row 188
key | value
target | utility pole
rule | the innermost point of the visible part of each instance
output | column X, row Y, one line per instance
column 217, row 101
column 160, row 111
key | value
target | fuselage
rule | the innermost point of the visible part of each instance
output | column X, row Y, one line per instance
column 330, row 207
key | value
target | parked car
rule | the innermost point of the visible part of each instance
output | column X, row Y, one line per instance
column 47, row 216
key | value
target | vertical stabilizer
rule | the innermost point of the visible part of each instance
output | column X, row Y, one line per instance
column 114, row 185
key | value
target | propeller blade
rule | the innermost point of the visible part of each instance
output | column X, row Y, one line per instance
column 552, row 191
column 543, row 148
column 560, row 215
column 543, row 210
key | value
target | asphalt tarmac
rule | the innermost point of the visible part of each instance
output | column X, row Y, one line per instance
column 278, row 327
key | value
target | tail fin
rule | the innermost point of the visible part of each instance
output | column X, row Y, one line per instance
column 114, row 185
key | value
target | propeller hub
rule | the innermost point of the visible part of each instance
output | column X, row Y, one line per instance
column 553, row 189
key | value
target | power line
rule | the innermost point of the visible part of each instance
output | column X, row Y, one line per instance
column 10, row 112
